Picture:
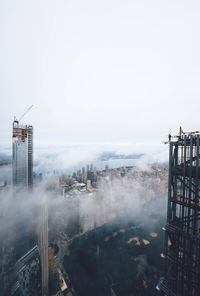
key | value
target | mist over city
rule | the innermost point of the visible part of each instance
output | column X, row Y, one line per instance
column 99, row 148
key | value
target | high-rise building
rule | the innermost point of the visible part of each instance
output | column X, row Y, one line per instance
column 182, row 231
column 22, row 154
column 25, row 278
column 43, row 245
column 23, row 175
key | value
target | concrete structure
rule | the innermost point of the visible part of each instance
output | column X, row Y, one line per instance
column 22, row 154
column 182, row 231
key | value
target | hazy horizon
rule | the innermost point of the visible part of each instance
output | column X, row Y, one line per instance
column 100, row 72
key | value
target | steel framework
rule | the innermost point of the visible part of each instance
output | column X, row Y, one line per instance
column 182, row 231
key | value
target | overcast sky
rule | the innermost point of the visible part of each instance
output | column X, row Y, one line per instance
column 100, row 71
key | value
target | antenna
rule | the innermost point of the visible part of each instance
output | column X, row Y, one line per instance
column 25, row 112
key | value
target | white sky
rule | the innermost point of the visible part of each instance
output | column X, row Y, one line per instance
column 100, row 71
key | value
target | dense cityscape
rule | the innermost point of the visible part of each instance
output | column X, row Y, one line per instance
column 69, row 206
column 73, row 234
column 99, row 148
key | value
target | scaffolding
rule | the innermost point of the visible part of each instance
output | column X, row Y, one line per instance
column 182, row 231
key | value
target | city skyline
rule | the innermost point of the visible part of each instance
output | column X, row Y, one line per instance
column 100, row 180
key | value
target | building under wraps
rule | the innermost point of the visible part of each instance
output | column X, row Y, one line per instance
column 22, row 154
column 182, row 231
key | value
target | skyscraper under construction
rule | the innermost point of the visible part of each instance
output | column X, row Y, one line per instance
column 23, row 175
column 182, row 231
column 22, row 154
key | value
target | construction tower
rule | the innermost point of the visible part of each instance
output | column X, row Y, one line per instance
column 182, row 231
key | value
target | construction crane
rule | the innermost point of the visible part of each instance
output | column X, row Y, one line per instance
column 25, row 112
column 15, row 119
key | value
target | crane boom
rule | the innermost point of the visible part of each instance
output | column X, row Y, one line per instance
column 26, row 112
